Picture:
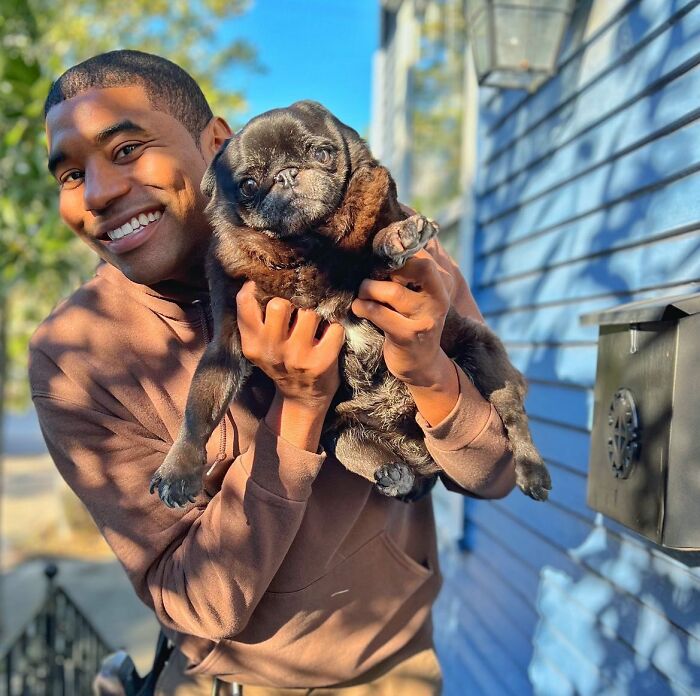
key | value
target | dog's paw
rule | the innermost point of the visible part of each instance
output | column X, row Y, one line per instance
column 533, row 479
column 401, row 240
column 394, row 479
column 179, row 477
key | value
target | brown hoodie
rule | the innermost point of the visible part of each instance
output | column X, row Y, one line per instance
column 289, row 571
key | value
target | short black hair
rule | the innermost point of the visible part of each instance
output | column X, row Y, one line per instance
column 168, row 87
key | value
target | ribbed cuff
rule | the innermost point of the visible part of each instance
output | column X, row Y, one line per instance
column 280, row 467
column 463, row 424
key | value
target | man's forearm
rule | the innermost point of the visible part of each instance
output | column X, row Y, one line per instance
column 437, row 394
column 470, row 443
column 297, row 422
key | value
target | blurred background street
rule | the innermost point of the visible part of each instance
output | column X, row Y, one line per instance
column 42, row 520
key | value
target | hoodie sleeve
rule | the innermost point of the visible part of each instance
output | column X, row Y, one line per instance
column 203, row 570
column 470, row 444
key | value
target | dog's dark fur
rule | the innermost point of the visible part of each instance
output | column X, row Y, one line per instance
column 310, row 228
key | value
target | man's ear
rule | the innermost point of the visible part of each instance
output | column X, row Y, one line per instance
column 214, row 135
column 212, row 143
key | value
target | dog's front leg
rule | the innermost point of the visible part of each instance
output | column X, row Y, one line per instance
column 217, row 380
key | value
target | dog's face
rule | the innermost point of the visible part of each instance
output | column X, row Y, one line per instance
column 284, row 172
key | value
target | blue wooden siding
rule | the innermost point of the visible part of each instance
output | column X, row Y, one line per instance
column 588, row 196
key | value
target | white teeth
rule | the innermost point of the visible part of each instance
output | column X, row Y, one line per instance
column 135, row 224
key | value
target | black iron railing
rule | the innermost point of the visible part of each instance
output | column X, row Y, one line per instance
column 57, row 654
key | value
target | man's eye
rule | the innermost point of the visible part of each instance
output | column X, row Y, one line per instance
column 71, row 178
column 126, row 150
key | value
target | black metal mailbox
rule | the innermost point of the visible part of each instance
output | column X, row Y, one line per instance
column 644, row 468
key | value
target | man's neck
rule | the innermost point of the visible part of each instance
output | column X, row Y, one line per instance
column 191, row 279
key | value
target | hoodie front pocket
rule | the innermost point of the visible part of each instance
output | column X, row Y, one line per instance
column 361, row 612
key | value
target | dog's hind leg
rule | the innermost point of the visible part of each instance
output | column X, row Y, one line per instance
column 363, row 452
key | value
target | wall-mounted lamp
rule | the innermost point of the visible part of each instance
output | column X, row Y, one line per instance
column 516, row 42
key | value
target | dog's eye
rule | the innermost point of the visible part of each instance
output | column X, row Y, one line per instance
column 249, row 187
column 322, row 155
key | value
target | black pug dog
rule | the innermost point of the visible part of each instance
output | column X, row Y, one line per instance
column 300, row 206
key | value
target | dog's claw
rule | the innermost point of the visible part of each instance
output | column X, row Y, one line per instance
column 533, row 479
column 178, row 480
column 394, row 479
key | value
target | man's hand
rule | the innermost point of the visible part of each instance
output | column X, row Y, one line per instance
column 303, row 367
column 410, row 309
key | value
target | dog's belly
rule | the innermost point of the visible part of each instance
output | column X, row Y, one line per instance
column 377, row 398
column 362, row 338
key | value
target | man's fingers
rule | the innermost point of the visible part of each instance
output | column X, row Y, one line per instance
column 421, row 271
column 394, row 295
column 426, row 276
column 278, row 314
column 249, row 312
column 332, row 338
column 305, row 326
column 393, row 324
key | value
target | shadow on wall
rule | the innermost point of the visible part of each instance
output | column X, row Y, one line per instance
column 618, row 612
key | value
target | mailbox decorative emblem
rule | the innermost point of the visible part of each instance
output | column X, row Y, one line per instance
column 623, row 433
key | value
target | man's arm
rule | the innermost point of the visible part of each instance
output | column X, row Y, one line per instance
column 203, row 570
column 464, row 434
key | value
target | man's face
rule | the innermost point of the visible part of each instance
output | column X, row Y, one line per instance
column 129, row 182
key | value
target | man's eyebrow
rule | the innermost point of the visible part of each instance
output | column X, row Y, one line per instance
column 55, row 159
column 125, row 126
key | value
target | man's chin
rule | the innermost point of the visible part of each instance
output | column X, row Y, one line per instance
column 153, row 264
column 145, row 271
column 189, row 273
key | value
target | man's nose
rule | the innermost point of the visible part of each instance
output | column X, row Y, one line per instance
column 287, row 177
column 104, row 183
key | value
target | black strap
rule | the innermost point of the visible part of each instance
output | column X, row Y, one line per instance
column 163, row 650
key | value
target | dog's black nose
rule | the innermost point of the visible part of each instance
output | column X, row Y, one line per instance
column 287, row 177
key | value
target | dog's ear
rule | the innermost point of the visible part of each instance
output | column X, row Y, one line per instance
column 208, row 185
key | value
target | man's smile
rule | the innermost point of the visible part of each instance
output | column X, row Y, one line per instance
column 129, row 231
column 134, row 224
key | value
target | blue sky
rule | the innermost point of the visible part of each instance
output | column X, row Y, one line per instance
column 312, row 49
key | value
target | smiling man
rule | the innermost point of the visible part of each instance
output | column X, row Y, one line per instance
column 288, row 573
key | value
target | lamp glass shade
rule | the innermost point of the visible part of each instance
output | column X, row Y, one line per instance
column 516, row 43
